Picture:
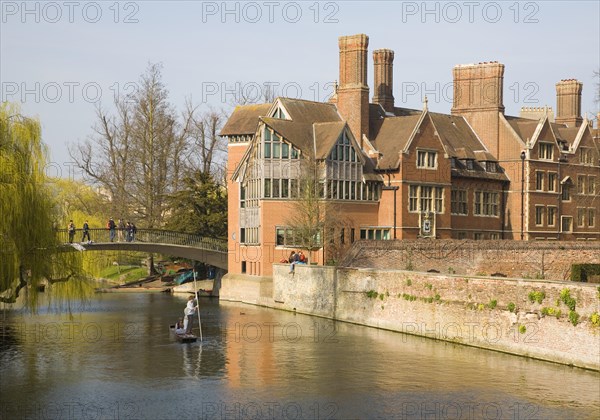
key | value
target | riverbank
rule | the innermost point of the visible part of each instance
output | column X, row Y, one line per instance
column 531, row 318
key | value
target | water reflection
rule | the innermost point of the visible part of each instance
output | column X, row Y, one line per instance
column 117, row 359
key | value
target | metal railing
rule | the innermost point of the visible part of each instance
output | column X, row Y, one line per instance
column 154, row 236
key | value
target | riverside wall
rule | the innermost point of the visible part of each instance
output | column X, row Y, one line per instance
column 472, row 310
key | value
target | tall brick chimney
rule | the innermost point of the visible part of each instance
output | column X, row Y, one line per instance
column 384, row 79
column 478, row 97
column 568, row 102
column 353, row 91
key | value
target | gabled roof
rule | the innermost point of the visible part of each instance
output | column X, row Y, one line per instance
column 392, row 137
column 326, row 135
column 525, row 128
column 455, row 133
column 303, row 111
column 244, row 119
column 298, row 134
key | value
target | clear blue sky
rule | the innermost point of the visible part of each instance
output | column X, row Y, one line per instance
column 57, row 58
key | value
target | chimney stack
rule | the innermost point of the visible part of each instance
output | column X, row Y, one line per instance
column 384, row 78
column 353, row 91
column 478, row 97
column 568, row 102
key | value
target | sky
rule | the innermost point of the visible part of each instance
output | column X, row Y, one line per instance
column 60, row 60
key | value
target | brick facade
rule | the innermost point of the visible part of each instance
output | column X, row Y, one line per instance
column 401, row 173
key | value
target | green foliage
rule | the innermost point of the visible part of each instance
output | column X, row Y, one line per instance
column 124, row 274
column 522, row 329
column 595, row 319
column 511, row 306
column 200, row 207
column 581, row 272
column 573, row 317
column 381, row 296
column 28, row 243
column 372, row 294
column 598, row 292
column 408, row 282
column 451, row 270
column 428, row 286
column 410, row 298
column 565, row 297
column 536, row 297
column 551, row 311
column 492, row 304
column 481, row 306
column 437, row 297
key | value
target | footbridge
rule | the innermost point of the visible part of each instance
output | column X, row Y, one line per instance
column 211, row 251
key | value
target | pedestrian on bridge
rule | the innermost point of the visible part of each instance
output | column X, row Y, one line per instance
column 121, row 228
column 111, row 229
column 86, row 232
column 71, row 230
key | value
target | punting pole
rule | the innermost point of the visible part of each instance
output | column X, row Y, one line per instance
column 198, row 306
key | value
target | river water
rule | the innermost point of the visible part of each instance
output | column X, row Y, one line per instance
column 115, row 358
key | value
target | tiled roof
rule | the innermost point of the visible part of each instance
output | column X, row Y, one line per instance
column 525, row 128
column 302, row 111
column 244, row 119
column 299, row 134
column 455, row 133
column 326, row 134
column 391, row 138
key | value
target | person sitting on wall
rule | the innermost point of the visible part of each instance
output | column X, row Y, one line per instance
column 301, row 258
column 294, row 259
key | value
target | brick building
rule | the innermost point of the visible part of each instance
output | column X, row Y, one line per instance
column 398, row 173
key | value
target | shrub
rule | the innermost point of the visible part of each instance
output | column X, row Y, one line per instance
column 408, row 282
column 595, row 319
column 573, row 317
column 522, row 329
column 437, row 297
column 581, row 272
column 536, row 297
column 372, row 294
column 565, row 297
column 511, row 306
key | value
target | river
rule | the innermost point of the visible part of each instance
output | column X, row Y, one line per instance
column 115, row 358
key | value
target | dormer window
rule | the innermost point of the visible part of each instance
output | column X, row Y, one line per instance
column 546, row 151
column 277, row 148
column 469, row 164
column 491, row 166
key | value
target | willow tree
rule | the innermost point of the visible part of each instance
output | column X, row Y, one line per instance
column 29, row 248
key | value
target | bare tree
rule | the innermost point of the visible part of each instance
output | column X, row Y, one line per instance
column 209, row 151
column 138, row 153
column 315, row 221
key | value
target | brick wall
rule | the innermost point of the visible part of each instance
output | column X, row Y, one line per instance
column 541, row 259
